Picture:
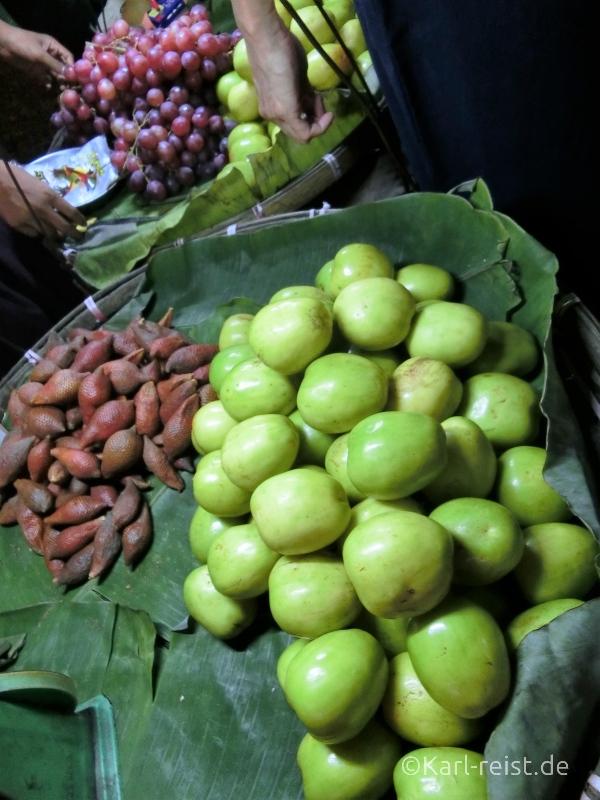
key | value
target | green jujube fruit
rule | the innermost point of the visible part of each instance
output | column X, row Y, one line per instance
column 353, row 262
column 387, row 359
column 394, row 454
column 441, row 773
column 336, row 464
column 412, row 713
column 252, row 388
column 458, row 651
column 285, row 659
column 205, row 527
column 426, row 386
column 235, row 328
column 313, row 444
column 509, row 348
column 370, row 507
column 426, row 282
column 239, row 562
column 215, row 492
column 359, row 769
column 222, row 616
column 390, row 633
column 324, row 277
column 335, row 684
column 210, row 426
column 535, row 617
column 225, row 360
column 454, row 333
column 313, row 292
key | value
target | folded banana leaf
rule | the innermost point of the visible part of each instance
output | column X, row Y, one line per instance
column 201, row 718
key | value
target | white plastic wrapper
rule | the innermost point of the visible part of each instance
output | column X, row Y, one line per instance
column 81, row 175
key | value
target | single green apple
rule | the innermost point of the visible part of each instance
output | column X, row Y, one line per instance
column 234, row 330
column 215, row 492
column 425, row 385
column 314, row 20
column 426, row 282
column 225, row 360
column 359, row 769
column 312, row 594
column 470, row 470
column 509, row 348
column 252, row 388
column 457, row 649
column 336, row 464
column 340, row 389
column 354, row 262
column 394, row 454
column 243, row 102
column 340, row 10
column 370, row 507
column 248, row 145
column 488, row 542
column 413, row 714
column 241, row 65
column 390, row 633
column 205, row 527
column 353, row 37
column 558, row 562
column 320, row 75
column 225, row 84
column 521, row 487
column 223, row 617
column 441, row 773
column 300, row 511
column 285, row 658
column 336, row 682
column 535, row 617
column 210, row 426
column 454, row 333
column 239, row 562
column 506, row 408
column 245, row 129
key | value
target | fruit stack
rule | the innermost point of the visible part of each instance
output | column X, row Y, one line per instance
column 384, row 441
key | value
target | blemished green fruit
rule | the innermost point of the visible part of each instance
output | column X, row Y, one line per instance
column 204, row 529
column 425, row 385
column 324, row 277
column 462, row 775
column 370, row 507
column 558, row 562
column 336, row 464
column 400, row 563
column 234, row 330
column 354, row 262
column 341, row 10
column 252, row 388
column 374, row 313
column 300, row 511
column 225, row 84
column 336, row 682
column 359, row 769
column 387, row 359
column 241, row 65
column 288, row 334
column 310, row 595
column 470, row 470
column 245, row 129
column 285, row 658
column 521, row 487
column 457, row 649
column 509, row 348
column 258, row 448
column 394, row 454
column 339, row 389
column 215, row 492
column 390, row 633
column 426, row 282
column 413, row 714
column 506, row 408
column 222, row 616
column 314, row 20
column 243, row 102
column 210, row 426
column 353, row 37
column 239, row 562
column 313, row 444
column 488, row 542
column 454, row 333
column 248, row 146
column 535, row 617
column 225, row 360
column 290, row 292
column 320, row 75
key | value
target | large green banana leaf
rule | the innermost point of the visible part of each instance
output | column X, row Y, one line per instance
column 199, row 718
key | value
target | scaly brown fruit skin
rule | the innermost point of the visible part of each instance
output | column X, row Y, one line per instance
column 137, row 480
column 175, row 399
column 78, row 463
column 184, row 464
column 201, row 374
column 106, row 493
column 121, row 452
column 124, row 342
column 165, row 346
column 8, row 512
column 152, row 371
column 45, row 421
column 14, row 452
column 78, row 487
column 73, row 442
column 39, row 460
column 157, row 462
column 124, row 376
column 147, row 405
column 43, row 371
column 55, row 566
column 76, row 511
column 76, row 569
column 85, row 334
column 32, row 526
column 35, row 496
column 61, row 389
column 107, row 546
column 188, row 359
column 127, row 507
column 94, row 391
column 137, row 537
column 62, row 355
column 144, row 332
column 207, row 394
column 93, row 354
column 28, row 391
column 178, row 430
column 164, row 388
column 74, row 418
column 17, row 409
column 65, row 543
column 113, row 416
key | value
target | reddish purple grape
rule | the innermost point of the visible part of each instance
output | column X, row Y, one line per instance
column 225, row 39
column 186, row 176
column 106, row 89
column 208, row 70
column 82, row 69
column 198, row 12
column 101, row 126
column 206, row 171
column 168, row 110
column 120, row 28
column 107, row 61
column 130, row 131
column 179, row 95
column 83, row 112
column 103, row 107
column 139, row 86
column 121, row 145
column 133, row 163
column 187, row 110
column 155, row 57
column 190, row 60
column 154, row 78
column 155, row 172
column 184, row 20
column 89, row 93
column 219, row 161
column 200, row 28
column 136, row 33
column 187, row 158
column 70, row 99
column 122, row 79
column 160, row 132
column 96, row 75
column 177, row 142
column 118, row 159
column 140, row 104
column 166, row 39
column 223, row 63
column 224, row 147
column 236, row 36
column 230, row 124
column 69, row 74
column 67, row 116
column 208, row 45
column 193, row 81
column 171, row 64
column 216, row 124
column 57, row 120
column 166, row 151
column 154, row 117
column 148, row 156
column 184, row 40
column 147, row 139
column 194, row 142
column 155, row 97
column 155, row 190
column 172, row 184
column 201, row 117
column 139, row 65
column 139, row 116
column 145, row 43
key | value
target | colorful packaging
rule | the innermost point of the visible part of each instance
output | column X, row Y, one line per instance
column 161, row 15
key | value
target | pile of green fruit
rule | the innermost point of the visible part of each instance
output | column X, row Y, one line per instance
column 382, row 436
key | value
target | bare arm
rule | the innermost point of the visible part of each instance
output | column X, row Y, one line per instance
column 35, row 53
column 279, row 69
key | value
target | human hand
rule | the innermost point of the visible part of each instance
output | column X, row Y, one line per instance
column 37, row 54
column 57, row 217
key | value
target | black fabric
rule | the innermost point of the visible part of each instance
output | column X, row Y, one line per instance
column 502, row 91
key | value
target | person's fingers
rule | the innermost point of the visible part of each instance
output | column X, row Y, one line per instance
column 321, row 124
column 49, row 63
column 55, row 48
column 68, row 211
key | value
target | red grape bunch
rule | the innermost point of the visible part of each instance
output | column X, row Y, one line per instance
column 152, row 93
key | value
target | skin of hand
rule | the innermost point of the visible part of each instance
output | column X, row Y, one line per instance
column 278, row 64
column 37, row 54
column 58, row 218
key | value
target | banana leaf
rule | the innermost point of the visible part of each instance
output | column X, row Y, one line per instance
column 206, row 718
